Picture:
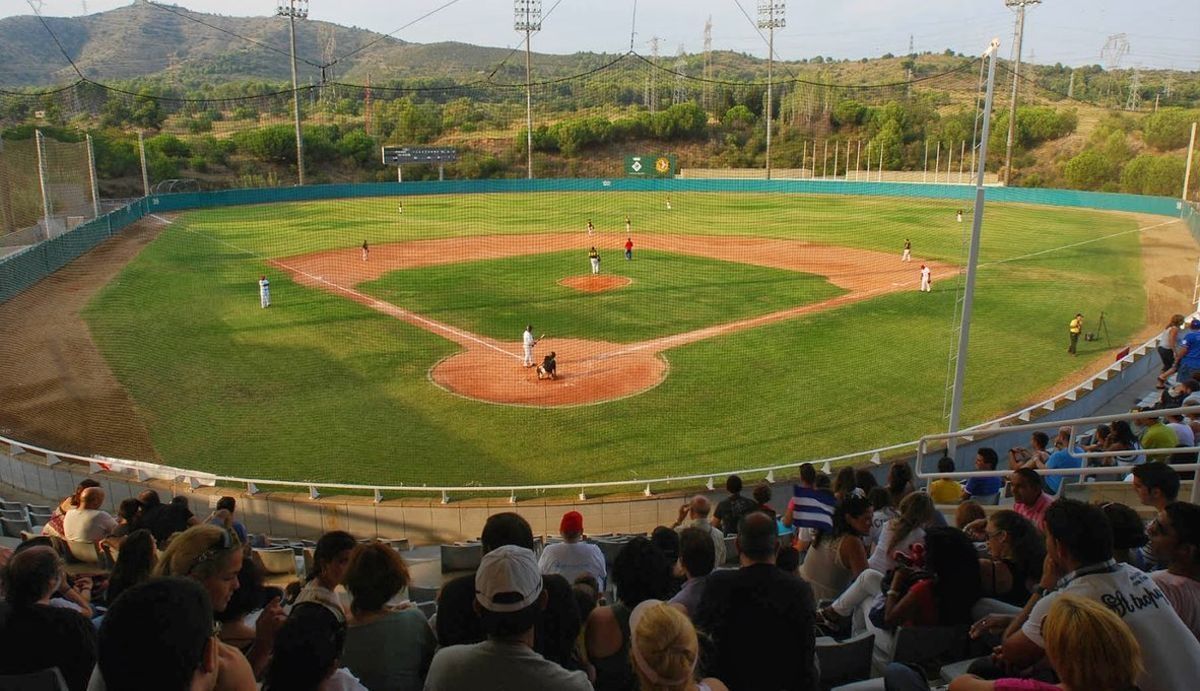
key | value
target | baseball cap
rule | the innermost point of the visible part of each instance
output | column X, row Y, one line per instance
column 572, row 522
column 1196, row 323
column 508, row 579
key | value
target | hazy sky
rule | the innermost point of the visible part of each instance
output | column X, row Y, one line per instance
column 1161, row 33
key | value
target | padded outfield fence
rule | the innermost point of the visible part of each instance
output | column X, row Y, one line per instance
column 22, row 269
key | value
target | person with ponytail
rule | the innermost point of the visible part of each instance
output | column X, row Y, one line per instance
column 903, row 531
column 664, row 650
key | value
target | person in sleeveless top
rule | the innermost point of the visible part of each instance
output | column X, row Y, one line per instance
column 836, row 557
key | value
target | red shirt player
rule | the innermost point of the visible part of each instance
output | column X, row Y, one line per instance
column 628, row 249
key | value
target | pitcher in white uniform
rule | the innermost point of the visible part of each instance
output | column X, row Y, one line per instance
column 264, row 292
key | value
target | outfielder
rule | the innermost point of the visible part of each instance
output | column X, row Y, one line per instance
column 628, row 226
column 907, row 255
column 528, row 342
column 668, row 203
column 594, row 258
column 590, row 228
column 960, row 215
column 926, row 280
column 366, row 250
column 264, row 292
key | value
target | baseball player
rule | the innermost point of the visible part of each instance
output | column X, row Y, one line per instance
column 668, row 203
column 264, row 292
column 549, row 367
column 366, row 250
column 926, row 281
column 400, row 208
column 628, row 226
column 907, row 255
column 594, row 258
column 527, row 343
column 590, row 228
column 960, row 215
column 628, row 249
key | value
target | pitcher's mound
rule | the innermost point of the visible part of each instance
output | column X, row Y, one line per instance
column 595, row 284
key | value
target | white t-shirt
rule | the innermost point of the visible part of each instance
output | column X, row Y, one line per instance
column 878, row 520
column 881, row 559
column 87, row 525
column 1184, row 595
column 342, row 680
column 573, row 559
column 1170, row 653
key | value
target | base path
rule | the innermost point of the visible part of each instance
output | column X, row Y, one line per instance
column 592, row 371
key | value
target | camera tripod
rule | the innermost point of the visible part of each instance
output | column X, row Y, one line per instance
column 1101, row 325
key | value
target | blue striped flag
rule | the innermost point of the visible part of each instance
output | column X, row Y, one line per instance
column 812, row 508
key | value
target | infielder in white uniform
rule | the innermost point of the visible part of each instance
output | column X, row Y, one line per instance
column 264, row 292
column 528, row 342
column 926, row 282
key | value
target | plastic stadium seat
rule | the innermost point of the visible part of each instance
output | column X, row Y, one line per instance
column 731, row 553
column 610, row 547
column 38, row 508
column 42, row 680
column 923, row 644
column 988, row 499
column 13, row 527
column 83, row 552
column 12, row 506
column 418, row 593
column 278, row 564
column 461, row 556
column 845, row 661
column 429, row 609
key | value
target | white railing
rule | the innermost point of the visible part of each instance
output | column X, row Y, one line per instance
column 1075, row 424
column 143, row 470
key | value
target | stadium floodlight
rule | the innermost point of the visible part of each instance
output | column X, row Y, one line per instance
column 527, row 17
column 770, row 17
column 1019, row 6
column 293, row 10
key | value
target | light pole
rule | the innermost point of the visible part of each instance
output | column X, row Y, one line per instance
column 527, row 17
column 1020, row 6
column 293, row 10
column 770, row 17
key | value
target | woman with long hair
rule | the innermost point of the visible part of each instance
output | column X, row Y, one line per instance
column 308, row 653
column 135, row 563
column 899, row 481
column 665, row 650
column 837, row 556
column 940, row 594
column 845, row 483
column 1167, row 342
column 330, row 560
column 1016, row 552
column 903, row 531
column 1122, row 438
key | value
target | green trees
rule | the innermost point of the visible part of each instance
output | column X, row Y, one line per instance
column 1149, row 174
column 1169, row 128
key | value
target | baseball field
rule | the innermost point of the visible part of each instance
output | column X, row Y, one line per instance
column 747, row 330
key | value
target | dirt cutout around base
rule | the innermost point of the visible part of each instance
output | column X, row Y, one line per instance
column 595, row 283
column 57, row 388
column 592, row 372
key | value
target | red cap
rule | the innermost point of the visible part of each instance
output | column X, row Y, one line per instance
column 572, row 523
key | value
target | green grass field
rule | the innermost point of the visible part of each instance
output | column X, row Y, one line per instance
column 319, row 388
column 670, row 294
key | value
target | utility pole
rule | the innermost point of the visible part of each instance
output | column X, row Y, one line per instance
column 1135, row 92
column 1187, row 171
column 293, row 10
column 1071, row 86
column 708, row 100
column 1020, row 6
column 527, row 17
column 771, row 17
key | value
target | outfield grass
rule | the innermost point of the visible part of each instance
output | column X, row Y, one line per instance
column 320, row 388
column 670, row 294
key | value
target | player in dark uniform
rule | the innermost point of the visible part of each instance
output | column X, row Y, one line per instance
column 549, row 367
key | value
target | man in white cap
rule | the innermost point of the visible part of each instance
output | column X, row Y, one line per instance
column 509, row 599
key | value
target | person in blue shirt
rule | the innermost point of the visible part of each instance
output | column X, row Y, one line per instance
column 1061, row 458
column 1187, row 356
column 985, row 459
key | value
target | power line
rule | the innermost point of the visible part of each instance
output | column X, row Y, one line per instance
column 260, row 44
column 391, row 34
column 37, row 12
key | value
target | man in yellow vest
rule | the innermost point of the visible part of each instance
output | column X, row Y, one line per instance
column 1075, row 328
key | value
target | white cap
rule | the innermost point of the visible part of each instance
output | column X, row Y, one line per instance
column 508, row 579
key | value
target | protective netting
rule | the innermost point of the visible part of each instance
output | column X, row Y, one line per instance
column 752, row 323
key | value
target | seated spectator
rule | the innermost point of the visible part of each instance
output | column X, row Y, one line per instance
column 509, row 597
column 943, row 591
column 35, row 635
column 1079, row 562
column 696, row 560
column 135, row 563
column 667, row 540
column 87, row 522
column 73, row 593
column 252, row 594
column 758, row 612
column 762, row 499
column 882, row 512
column 1099, row 438
column 330, row 559
column 1121, row 438
column 640, row 572
column 985, row 459
column 1155, row 434
column 386, row 647
column 586, row 591
column 308, row 651
column 127, row 516
column 945, row 490
column 164, row 520
column 1182, row 430
column 1129, row 534
column 899, row 481
column 967, row 513
column 54, row 526
column 1028, row 457
column 1175, row 541
column 1088, row 646
column 230, row 504
column 1156, row 484
column 573, row 557
column 865, row 480
column 457, row 623
column 213, row 557
column 158, row 636
column 731, row 509
column 665, row 650
column 908, row 528
column 1030, row 499
column 1013, row 564
column 845, row 483
column 837, row 556
column 1062, row 457
column 788, row 560
column 694, row 514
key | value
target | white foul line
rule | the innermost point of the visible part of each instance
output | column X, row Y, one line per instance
column 1082, row 242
